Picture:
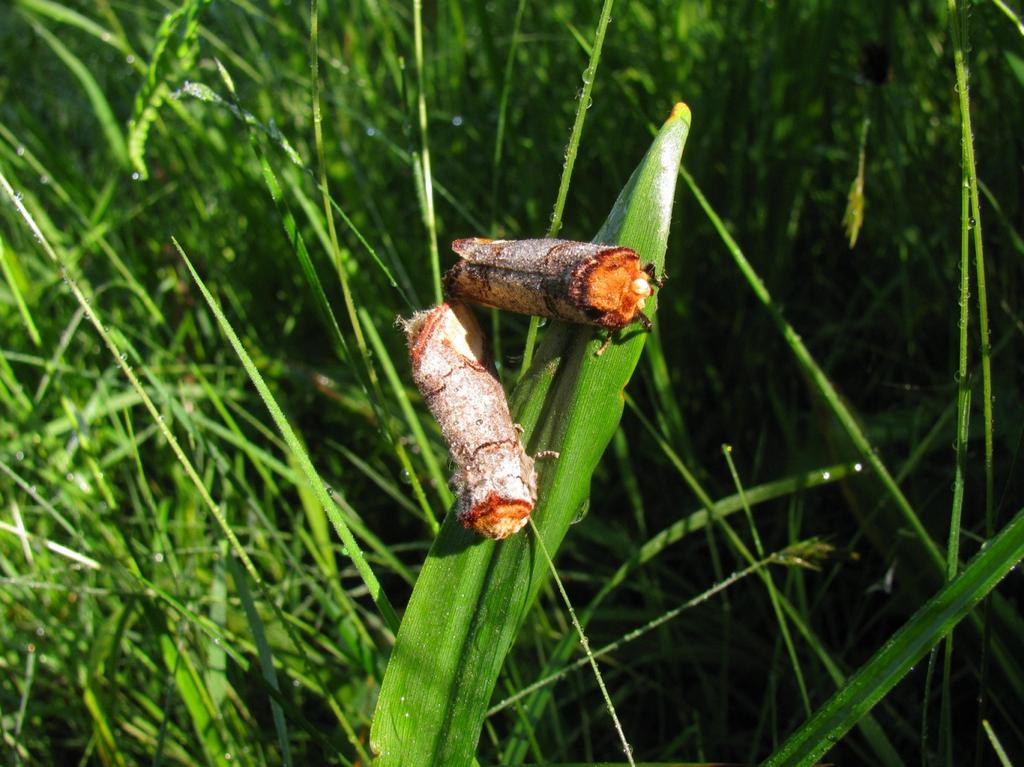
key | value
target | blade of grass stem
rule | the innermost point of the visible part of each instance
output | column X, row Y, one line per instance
column 266, row 656
column 904, row 649
column 425, row 177
column 585, row 643
column 589, row 76
column 972, row 220
column 19, row 299
column 315, row 483
column 122, row 362
column 822, row 385
column 625, row 638
column 372, row 391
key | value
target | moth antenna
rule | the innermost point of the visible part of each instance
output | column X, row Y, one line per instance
column 546, row 455
column 645, row 321
column 606, row 343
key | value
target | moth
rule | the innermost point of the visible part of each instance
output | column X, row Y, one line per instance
column 581, row 282
column 495, row 479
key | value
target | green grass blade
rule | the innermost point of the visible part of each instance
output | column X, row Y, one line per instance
column 907, row 646
column 14, row 276
column 316, row 484
column 821, row 383
column 473, row 594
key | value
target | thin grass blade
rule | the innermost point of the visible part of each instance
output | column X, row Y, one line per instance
column 889, row 665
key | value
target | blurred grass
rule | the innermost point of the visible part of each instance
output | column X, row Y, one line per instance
column 128, row 635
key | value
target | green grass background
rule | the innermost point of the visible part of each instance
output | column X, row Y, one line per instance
column 134, row 629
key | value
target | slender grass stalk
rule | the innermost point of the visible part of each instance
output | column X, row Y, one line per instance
column 585, row 643
column 864, row 689
column 583, row 104
column 631, row 636
column 329, row 501
column 971, row 220
column 121, row 360
column 426, row 177
column 341, row 268
column 769, row 582
column 821, row 382
column 1010, row 14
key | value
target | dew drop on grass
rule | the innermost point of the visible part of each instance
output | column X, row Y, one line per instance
column 19, row 456
column 371, row 131
column 405, row 476
column 20, row 151
column 457, row 121
column 588, row 75
column 826, row 475
column 858, row 467
column 136, row 176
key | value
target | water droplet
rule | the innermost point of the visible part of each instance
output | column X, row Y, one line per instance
column 44, row 179
column 858, row 467
column 588, row 75
column 971, row 222
column 40, row 631
column 329, row 490
column 826, row 475
column 158, row 557
column 581, row 511
column 371, row 131
column 457, row 121
column 20, row 151
column 129, row 59
column 405, row 476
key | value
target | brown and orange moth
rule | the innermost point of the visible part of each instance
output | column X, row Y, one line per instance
column 578, row 282
column 495, row 478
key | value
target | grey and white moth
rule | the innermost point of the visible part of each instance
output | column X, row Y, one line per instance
column 578, row 282
column 495, row 478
